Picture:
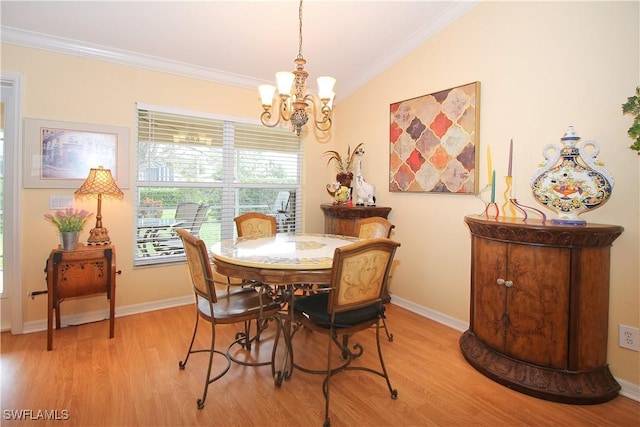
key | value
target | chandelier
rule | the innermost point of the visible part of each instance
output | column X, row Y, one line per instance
column 294, row 105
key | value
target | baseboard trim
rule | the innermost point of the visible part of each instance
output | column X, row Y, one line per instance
column 99, row 315
column 628, row 389
column 446, row 320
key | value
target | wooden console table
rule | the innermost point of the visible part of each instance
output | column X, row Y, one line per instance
column 540, row 306
column 87, row 270
column 340, row 219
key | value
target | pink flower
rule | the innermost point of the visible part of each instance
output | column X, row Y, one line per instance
column 69, row 219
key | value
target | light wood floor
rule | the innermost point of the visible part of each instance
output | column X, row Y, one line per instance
column 134, row 380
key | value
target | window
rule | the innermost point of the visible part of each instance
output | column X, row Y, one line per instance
column 199, row 172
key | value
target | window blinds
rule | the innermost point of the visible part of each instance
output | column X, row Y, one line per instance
column 231, row 166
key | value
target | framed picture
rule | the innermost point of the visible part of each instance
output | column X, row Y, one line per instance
column 434, row 142
column 60, row 154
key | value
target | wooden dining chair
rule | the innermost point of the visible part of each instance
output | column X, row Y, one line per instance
column 376, row 226
column 255, row 224
column 221, row 308
column 353, row 303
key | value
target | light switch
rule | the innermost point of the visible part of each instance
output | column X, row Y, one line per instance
column 60, row 202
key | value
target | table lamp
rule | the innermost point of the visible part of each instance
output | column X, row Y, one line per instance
column 99, row 183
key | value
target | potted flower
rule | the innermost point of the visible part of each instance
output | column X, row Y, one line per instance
column 344, row 166
column 69, row 223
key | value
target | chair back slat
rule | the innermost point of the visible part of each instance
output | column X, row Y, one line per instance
column 367, row 228
column 199, row 265
column 255, row 224
column 360, row 274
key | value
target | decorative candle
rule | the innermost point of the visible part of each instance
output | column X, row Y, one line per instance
column 510, row 158
column 513, row 189
column 493, row 187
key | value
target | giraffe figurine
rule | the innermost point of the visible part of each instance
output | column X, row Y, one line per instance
column 365, row 191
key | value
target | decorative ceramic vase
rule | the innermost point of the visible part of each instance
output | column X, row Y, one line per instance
column 69, row 240
column 571, row 180
column 345, row 178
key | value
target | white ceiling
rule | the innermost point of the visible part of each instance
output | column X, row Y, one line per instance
column 242, row 43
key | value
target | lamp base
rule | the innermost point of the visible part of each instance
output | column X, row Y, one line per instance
column 99, row 236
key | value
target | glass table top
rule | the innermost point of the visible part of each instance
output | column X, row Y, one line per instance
column 307, row 251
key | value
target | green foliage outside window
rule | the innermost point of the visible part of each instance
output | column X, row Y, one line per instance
column 632, row 107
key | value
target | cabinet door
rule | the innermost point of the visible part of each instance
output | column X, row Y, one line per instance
column 537, row 308
column 489, row 298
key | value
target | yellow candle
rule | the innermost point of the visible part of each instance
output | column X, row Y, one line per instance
column 489, row 168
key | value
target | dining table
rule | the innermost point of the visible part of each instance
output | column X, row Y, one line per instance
column 284, row 258
column 285, row 261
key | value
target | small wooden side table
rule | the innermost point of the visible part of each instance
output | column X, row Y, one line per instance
column 87, row 270
column 340, row 219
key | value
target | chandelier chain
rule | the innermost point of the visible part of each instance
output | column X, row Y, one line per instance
column 300, row 30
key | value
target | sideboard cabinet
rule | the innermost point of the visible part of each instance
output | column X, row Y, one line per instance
column 341, row 219
column 539, row 307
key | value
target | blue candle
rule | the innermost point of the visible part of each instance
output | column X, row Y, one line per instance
column 493, row 187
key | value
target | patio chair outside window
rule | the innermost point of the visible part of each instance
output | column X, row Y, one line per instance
column 280, row 210
column 189, row 216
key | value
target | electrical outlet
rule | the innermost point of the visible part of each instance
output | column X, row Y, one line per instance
column 628, row 337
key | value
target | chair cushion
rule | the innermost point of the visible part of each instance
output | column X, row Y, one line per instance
column 315, row 308
column 238, row 303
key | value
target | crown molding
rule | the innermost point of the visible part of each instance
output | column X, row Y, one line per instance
column 66, row 46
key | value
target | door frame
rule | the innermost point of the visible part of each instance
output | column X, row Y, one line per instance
column 12, row 96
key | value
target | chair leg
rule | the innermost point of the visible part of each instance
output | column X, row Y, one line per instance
column 208, row 380
column 386, row 330
column 278, row 376
column 183, row 363
column 394, row 392
column 284, row 324
column 245, row 339
column 327, row 420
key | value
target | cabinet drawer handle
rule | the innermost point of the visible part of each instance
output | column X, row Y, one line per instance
column 507, row 283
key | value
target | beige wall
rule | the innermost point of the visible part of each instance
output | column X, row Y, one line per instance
column 542, row 66
column 68, row 88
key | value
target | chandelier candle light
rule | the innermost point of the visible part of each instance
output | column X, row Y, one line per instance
column 294, row 105
column 99, row 183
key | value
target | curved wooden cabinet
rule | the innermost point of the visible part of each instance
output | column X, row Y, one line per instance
column 540, row 306
column 340, row 219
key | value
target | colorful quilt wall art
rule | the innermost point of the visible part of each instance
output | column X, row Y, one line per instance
column 434, row 142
